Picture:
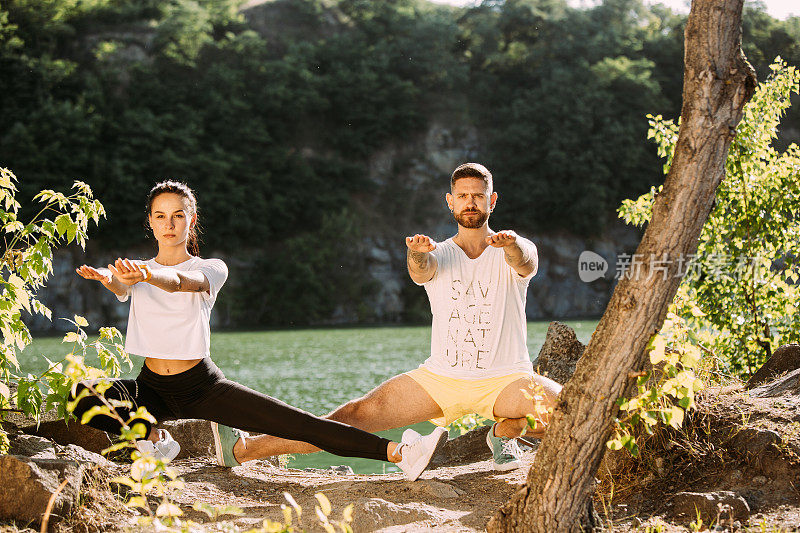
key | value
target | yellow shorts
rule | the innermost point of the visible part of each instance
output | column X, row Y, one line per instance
column 459, row 397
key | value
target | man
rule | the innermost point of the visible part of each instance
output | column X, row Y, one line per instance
column 476, row 282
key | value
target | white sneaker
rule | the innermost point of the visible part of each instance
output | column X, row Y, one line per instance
column 417, row 451
column 166, row 449
column 409, row 436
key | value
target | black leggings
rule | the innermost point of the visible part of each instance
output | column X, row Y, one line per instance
column 203, row 392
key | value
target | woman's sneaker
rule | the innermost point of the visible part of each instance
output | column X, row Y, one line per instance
column 225, row 439
column 417, row 451
column 506, row 452
column 166, row 449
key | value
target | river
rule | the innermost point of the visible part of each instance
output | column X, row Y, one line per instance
column 316, row 369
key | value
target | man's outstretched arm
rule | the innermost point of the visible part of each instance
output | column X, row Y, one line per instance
column 421, row 263
column 521, row 254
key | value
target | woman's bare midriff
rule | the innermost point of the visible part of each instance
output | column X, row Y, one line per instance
column 166, row 367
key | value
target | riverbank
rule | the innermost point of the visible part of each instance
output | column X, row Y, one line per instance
column 732, row 467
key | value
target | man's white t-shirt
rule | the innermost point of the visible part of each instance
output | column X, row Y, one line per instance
column 478, row 305
column 173, row 325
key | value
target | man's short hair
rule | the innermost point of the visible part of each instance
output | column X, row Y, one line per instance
column 472, row 170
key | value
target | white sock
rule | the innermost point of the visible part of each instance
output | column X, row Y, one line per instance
column 398, row 452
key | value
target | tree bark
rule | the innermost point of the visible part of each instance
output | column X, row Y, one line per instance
column 718, row 81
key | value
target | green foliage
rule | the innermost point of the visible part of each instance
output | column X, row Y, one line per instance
column 744, row 277
column 467, row 423
column 666, row 392
column 559, row 94
column 276, row 121
column 312, row 277
column 27, row 262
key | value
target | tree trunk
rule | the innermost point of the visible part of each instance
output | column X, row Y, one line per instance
column 718, row 82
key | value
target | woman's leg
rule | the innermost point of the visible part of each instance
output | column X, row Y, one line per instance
column 235, row 405
column 129, row 390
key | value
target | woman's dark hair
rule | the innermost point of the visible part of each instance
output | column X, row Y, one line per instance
column 181, row 189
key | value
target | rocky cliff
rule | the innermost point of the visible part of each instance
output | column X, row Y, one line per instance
column 410, row 182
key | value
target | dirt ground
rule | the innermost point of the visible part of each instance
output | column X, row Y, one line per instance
column 735, row 442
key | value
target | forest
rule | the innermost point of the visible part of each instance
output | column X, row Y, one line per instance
column 275, row 124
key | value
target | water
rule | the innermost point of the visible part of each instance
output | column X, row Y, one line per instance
column 316, row 370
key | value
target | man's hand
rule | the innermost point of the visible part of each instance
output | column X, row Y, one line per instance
column 501, row 239
column 421, row 263
column 127, row 271
column 420, row 243
column 521, row 254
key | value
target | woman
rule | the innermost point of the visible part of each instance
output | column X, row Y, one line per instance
column 171, row 299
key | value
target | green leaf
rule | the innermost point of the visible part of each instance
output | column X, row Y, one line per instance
column 95, row 410
column 13, row 227
column 138, row 501
column 63, row 223
column 71, row 337
column 657, row 353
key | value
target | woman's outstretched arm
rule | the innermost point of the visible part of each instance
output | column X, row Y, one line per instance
column 165, row 278
column 104, row 276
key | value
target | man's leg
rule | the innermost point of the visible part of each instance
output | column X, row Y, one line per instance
column 513, row 404
column 397, row 402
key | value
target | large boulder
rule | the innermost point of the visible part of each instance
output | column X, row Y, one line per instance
column 52, row 427
column 784, row 359
column 37, row 447
column 468, row 448
column 26, row 485
column 194, row 436
column 787, row 385
column 32, row 446
column 560, row 353
column 72, row 432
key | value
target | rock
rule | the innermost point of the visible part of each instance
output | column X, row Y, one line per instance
column 428, row 488
column 23, row 421
column 75, row 453
column 784, row 359
column 784, row 385
column 196, row 439
column 52, row 427
column 193, row 435
column 376, row 513
column 755, row 441
column 560, row 353
column 468, row 448
column 37, row 447
column 76, row 433
column 26, row 485
column 712, row 506
column 33, row 447
column 337, row 470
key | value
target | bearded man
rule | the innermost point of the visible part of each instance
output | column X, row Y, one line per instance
column 477, row 282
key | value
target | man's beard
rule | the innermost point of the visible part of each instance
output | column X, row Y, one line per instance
column 473, row 221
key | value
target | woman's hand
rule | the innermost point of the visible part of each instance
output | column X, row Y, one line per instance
column 128, row 272
column 102, row 275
